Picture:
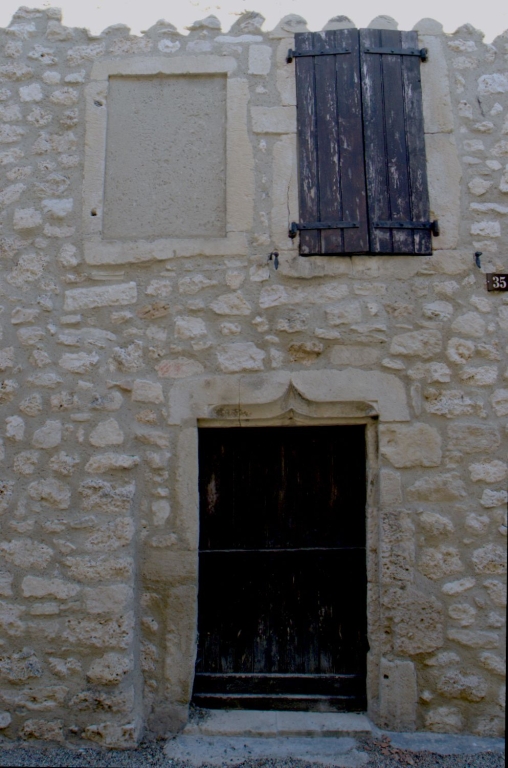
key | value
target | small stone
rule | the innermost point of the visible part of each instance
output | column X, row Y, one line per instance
column 14, row 428
column 110, row 669
column 107, row 600
column 479, row 376
column 106, row 433
column 79, row 362
column 103, row 296
column 161, row 511
column 48, row 436
column 474, row 639
column 493, row 663
column 35, row 586
column 444, row 720
column 189, row 328
column 305, row 352
column 31, row 92
column 231, row 304
column 490, row 558
column 52, row 492
column 179, row 368
column 499, row 401
column 473, row 438
column 491, row 499
column 470, row 324
column 463, row 613
column 488, row 472
column 5, row 720
column 447, row 487
column 457, row 587
column 45, row 730
column 107, row 462
column 440, row 561
column 234, row 358
column 435, row 524
column 25, row 553
column 454, row 685
column 26, row 218
column 423, row 344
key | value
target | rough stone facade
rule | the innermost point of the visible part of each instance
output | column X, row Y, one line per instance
column 111, row 351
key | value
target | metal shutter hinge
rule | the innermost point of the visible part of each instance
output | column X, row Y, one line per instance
column 432, row 225
column 422, row 53
column 295, row 227
column 296, row 54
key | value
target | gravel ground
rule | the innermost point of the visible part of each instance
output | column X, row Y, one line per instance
column 381, row 753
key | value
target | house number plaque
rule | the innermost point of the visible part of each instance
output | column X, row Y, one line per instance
column 497, row 281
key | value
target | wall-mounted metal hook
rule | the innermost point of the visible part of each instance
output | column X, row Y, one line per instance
column 275, row 255
column 477, row 256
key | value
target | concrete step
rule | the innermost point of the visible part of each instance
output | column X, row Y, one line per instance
column 258, row 723
column 235, row 750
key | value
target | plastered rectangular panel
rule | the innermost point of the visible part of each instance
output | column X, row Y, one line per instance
column 165, row 157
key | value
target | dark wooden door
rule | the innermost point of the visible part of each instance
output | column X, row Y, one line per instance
column 282, row 571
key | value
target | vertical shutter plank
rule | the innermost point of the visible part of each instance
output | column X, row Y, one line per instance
column 396, row 149
column 374, row 139
column 310, row 242
column 415, row 136
column 351, row 150
column 330, row 208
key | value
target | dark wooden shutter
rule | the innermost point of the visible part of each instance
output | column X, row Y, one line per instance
column 394, row 144
column 331, row 158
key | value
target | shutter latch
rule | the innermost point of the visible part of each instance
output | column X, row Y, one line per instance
column 295, row 227
column 422, row 53
column 332, row 52
column 432, row 225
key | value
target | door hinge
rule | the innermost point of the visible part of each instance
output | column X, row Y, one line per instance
column 295, row 227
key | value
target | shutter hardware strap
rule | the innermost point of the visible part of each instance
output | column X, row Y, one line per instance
column 295, row 227
column 296, row 54
column 422, row 53
column 432, row 225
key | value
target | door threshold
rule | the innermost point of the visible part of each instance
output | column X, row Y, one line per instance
column 269, row 723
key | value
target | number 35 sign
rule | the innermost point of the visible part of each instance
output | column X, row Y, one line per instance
column 497, row 282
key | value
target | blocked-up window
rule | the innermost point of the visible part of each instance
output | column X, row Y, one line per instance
column 165, row 170
column 362, row 166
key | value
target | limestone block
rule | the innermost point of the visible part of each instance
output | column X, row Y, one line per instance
column 260, row 59
column 25, row 553
column 438, row 562
column 111, row 735
column 458, row 587
column 111, row 536
column 101, row 632
column 423, row 344
column 493, row 663
column 447, row 487
column 101, row 568
column 473, row 438
column 109, row 669
column 52, row 492
column 344, row 313
column 418, row 622
column 147, row 392
column 109, row 600
column 390, row 488
column 45, row 730
column 106, row 433
column 14, row 428
column 497, row 592
column 479, row 376
column 474, row 638
column 398, row 695
column 305, row 352
column 273, row 119
column 463, row 613
column 195, row 283
column 26, row 218
column 437, row 104
column 444, row 720
column 490, row 558
column 435, row 524
column 103, row 296
column 106, row 462
column 190, row 327
column 36, row 586
column 415, row 445
column 279, row 295
column 499, row 401
column 452, row 403
column 444, row 174
column 491, row 499
column 353, row 356
column 179, row 368
column 231, row 304
column 488, row 472
column 79, row 362
column 234, row 358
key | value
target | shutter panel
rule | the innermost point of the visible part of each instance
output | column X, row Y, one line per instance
column 330, row 135
column 394, row 144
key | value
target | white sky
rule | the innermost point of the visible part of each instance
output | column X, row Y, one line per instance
column 491, row 16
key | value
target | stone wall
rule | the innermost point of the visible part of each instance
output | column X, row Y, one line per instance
column 112, row 350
